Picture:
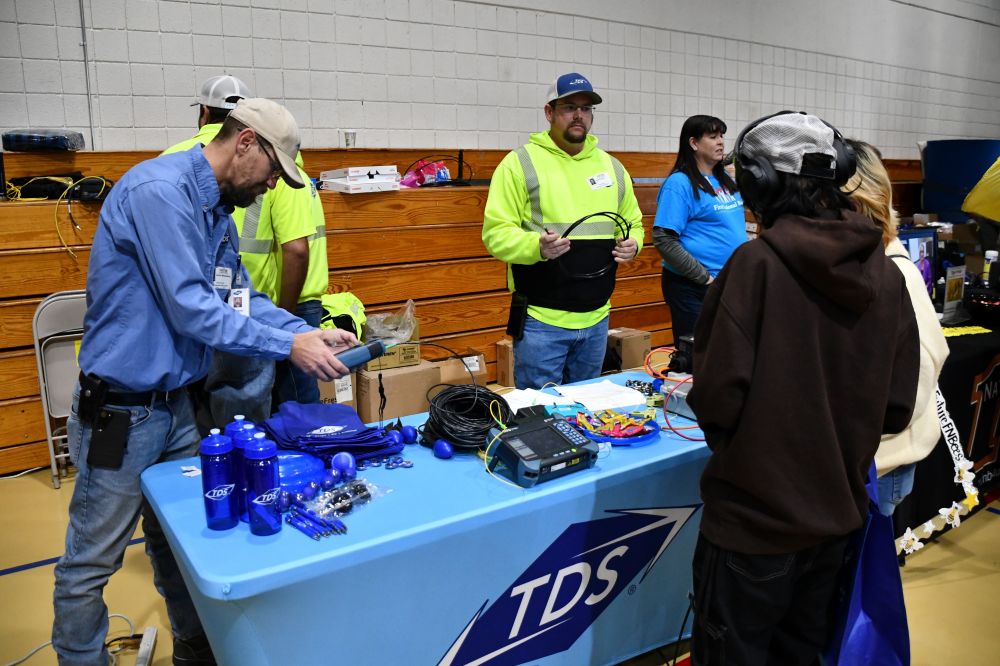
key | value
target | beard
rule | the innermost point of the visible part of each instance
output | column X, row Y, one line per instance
column 575, row 134
column 238, row 196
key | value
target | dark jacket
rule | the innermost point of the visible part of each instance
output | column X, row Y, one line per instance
column 806, row 352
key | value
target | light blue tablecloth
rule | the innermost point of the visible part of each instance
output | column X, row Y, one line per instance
column 449, row 565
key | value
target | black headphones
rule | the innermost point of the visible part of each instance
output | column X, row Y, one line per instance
column 758, row 180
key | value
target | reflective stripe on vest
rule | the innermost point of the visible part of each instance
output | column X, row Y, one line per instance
column 320, row 233
column 600, row 227
column 248, row 235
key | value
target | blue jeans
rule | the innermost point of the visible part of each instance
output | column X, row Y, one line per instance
column 290, row 383
column 237, row 385
column 684, row 299
column 893, row 487
column 548, row 354
column 103, row 513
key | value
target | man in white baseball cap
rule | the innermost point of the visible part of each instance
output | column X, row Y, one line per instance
column 222, row 92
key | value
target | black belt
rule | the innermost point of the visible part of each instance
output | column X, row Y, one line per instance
column 138, row 398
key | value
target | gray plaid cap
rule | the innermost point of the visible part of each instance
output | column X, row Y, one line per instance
column 785, row 139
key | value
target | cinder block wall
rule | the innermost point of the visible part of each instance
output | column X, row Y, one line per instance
column 447, row 73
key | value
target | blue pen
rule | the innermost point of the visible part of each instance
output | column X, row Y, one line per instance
column 301, row 527
column 339, row 526
column 291, row 520
column 309, row 513
column 321, row 527
column 319, row 531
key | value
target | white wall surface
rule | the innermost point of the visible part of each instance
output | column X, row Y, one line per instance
column 473, row 74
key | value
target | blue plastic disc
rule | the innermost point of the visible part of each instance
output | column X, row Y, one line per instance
column 296, row 470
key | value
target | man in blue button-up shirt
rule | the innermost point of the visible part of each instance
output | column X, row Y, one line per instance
column 165, row 287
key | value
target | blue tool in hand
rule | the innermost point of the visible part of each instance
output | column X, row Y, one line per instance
column 356, row 356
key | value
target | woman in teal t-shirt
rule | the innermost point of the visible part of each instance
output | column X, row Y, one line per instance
column 699, row 220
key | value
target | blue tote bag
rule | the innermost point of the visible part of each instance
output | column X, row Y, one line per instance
column 870, row 625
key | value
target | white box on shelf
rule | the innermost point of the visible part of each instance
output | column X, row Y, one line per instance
column 362, row 173
column 360, row 186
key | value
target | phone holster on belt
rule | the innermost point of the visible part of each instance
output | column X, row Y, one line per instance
column 518, row 315
column 93, row 393
column 108, row 425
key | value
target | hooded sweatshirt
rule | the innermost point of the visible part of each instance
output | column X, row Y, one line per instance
column 806, row 352
column 566, row 194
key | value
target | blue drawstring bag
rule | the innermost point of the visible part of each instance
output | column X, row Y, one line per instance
column 325, row 430
column 870, row 626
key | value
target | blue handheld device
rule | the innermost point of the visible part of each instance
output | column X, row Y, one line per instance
column 356, row 356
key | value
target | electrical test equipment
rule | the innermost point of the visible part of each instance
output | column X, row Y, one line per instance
column 540, row 449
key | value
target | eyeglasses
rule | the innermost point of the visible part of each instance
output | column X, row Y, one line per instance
column 571, row 109
column 276, row 170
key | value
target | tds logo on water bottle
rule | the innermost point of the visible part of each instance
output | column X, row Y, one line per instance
column 270, row 497
column 220, row 492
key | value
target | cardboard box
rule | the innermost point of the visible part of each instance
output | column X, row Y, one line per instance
column 630, row 345
column 505, row 363
column 400, row 356
column 339, row 391
column 922, row 219
column 405, row 390
column 456, row 370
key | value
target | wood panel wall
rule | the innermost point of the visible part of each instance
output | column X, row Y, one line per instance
column 386, row 248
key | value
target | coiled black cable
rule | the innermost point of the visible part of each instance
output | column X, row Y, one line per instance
column 622, row 229
column 461, row 415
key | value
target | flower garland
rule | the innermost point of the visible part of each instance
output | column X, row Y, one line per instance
column 910, row 542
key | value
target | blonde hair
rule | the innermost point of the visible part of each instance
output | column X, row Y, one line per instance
column 871, row 191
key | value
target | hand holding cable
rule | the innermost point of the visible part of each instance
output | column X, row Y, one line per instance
column 552, row 246
column 625, row 250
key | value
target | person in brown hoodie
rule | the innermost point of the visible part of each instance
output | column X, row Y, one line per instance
column 806, row 352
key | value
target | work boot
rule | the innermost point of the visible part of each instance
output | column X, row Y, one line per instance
column 193, row 651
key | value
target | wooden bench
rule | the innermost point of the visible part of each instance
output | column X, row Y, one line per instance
column 386, row 247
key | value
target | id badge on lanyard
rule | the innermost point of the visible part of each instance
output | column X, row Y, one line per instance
column 239, row 296
column 227, row 278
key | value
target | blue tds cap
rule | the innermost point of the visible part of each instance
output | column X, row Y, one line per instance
column 237, row 424
column 260, row 448
column 216, row 444
column 570, row 84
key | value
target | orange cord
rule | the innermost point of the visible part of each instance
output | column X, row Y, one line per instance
column 666, row 418
column 660, row 371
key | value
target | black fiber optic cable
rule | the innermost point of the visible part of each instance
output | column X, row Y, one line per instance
column 461, row 415
column 621, row 226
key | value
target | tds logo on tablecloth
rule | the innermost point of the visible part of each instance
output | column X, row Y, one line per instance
column 560, row 595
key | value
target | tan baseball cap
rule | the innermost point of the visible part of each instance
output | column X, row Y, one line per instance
column 276, row 125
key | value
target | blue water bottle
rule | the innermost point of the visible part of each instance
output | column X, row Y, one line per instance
column 218, row 482
column 237, row 424
column 263, row 487
column 242, row 436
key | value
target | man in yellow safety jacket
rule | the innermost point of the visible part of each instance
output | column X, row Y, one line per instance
column 561, row 212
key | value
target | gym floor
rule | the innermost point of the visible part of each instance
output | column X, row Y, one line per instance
column 952, row 586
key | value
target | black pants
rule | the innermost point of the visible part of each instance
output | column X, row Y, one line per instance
column 764, row 609
column 684, row 298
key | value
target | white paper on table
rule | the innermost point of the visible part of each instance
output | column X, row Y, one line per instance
column 603, row 395
column 519, row 398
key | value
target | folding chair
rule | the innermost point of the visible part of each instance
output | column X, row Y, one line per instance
column 57, row 329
